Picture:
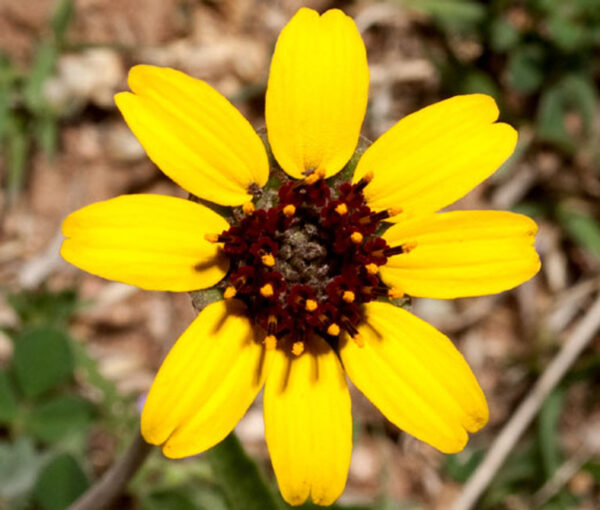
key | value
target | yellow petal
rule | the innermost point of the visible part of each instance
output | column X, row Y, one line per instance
column 317, row 93
column 206, row 383
column 154, row 242
column 415, row 376
column 308, row 424
column 462, row 253
column 433, row 157
column 193, row 134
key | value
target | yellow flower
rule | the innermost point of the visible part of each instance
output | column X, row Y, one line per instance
column 306, row 275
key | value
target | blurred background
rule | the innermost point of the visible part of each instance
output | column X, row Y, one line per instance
column 78, row 353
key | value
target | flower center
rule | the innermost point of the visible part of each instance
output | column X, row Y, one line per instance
column 304, row 266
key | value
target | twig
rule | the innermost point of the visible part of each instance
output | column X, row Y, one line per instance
column 568, row 303
column 106, row 490
column 515, row 188
column 35, row 271
column 561, row 477
column 512, row 431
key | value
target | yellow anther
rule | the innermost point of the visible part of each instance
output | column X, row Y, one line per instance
column 333, row 329
column 368, row 177
column 356, row 237
column 230, row 292
column 311, row 305
column 297, row 348
column 341, row 209
column 348, row 296
column 395, row 294
column 212, row 238
column 408, row 247
column 270, row 342
column 248, row 208
column 289, row 210
column 267, row 290
column 311, row 179
column 372, row 268
column 358, row 340
column 315, row 176
column 395, row 211
column 268, row 260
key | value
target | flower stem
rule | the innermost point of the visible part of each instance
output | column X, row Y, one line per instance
column 105, row 491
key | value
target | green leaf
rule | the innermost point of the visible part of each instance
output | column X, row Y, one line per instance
column 478, row 82
column 572, row 93
column 503, row 35
column 526, row 71
column 59, row 417
column 167, row 499
column 521, row 466
column 452, row 15
column 45, row 59
column 19, row 467
column 8, row 401
column 41, row 308
column 42, row 360
column 462, row 465
column 115, row 406
column 545, row 6
column 568, row 36
column 60, row 483
column 548, row 436
column 17, row 146
column 209, row 498
column 530, row 208
column 582, row 227
column 593, row 468
column 46, row 133
column 61, row 18
column 580, row 94
column 7, row 76
column 239, row 477
column 551, row 117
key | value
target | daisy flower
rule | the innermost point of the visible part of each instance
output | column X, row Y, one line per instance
column 310, row 255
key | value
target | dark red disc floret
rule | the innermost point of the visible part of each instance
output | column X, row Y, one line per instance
column 305, row 266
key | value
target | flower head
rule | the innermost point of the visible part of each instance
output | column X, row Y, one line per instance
column 310, row 259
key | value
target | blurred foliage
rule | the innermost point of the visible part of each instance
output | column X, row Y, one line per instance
column 44, row 308
column 47, row 414
column 540, row 58
column 26, row 118
column 45, row 417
